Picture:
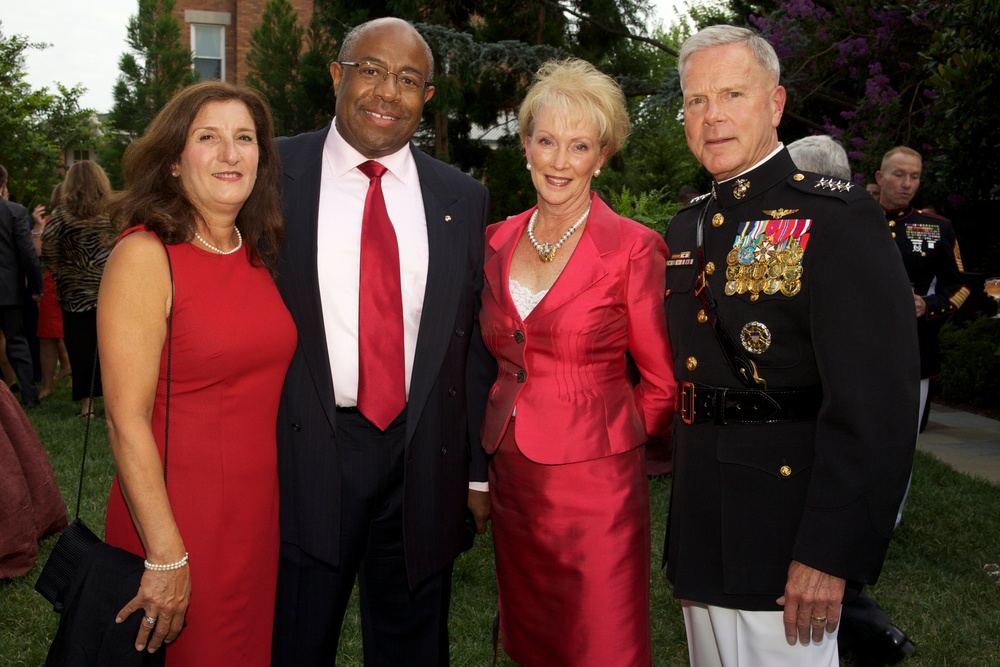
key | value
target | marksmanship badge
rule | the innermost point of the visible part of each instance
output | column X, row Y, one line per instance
column 756, row 337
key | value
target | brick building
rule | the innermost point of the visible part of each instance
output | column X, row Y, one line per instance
column 218, row 33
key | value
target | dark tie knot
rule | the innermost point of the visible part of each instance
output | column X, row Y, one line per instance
column 372, row 169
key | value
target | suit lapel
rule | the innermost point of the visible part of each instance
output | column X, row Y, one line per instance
column 601, row 235
column 299, row 277
column 448, row 256
column 502, row 243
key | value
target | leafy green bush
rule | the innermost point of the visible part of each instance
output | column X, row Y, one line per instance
column 970, row 369
column 653, row 208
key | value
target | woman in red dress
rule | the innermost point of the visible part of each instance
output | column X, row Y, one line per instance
column 571, row 288
column 201, row 193
column 51, row 348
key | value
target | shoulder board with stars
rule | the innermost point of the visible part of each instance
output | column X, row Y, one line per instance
column 826, row 185
column 697, row 200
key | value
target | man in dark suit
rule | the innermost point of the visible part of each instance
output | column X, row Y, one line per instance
column 18, row 263
column 387, row 503
column 791, row 326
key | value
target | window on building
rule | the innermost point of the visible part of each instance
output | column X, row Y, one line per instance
column 209, row 47
column 79, row 155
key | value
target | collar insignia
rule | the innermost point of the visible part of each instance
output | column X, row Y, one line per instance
column 741, row 188
column 780, row 212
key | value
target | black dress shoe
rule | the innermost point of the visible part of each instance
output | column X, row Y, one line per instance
column 889, row 647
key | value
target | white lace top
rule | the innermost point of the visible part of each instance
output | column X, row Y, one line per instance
column 524, row 299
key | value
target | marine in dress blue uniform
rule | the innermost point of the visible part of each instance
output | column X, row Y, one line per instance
column 792, row 449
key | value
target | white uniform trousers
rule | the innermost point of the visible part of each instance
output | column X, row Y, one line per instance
column 720, row 637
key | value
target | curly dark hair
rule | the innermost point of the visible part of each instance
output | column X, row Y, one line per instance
column 156, row 200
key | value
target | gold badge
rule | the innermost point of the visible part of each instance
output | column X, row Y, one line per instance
column 741, row 188
column 781, row 212
column 756, row 337
column 791, row 288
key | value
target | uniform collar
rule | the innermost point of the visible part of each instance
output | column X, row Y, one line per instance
column 757, row 181
column 900, row 214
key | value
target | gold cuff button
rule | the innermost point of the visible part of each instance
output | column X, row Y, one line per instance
column 702, row 317
column 710, row 268
column 798, row 177
column 786, row 471
column 717, row 220
column 691, row 363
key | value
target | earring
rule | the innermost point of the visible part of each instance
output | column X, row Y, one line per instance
column 529, row 166
column 597, row 173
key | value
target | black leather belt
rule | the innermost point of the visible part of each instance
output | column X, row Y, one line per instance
column 723, row 405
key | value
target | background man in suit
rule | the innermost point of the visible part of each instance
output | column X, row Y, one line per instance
column 18, row 262
column 798, row 423
column 385, row 503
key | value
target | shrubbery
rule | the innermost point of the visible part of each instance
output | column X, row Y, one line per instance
column 971, row 362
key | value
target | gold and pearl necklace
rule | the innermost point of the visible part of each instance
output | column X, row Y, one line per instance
column 547, row 251
column 211, row 247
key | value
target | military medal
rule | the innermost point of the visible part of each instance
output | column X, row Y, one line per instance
column 766, row 257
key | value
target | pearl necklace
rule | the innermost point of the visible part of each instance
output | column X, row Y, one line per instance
column 211, row 247
column 547, row 251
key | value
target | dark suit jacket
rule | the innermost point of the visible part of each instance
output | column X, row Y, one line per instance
column 747, row 499
column 18, row 260
column 452, row 371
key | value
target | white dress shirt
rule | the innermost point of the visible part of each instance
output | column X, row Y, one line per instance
column 338, row 246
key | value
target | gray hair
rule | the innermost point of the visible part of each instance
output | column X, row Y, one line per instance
column 347, row 46
column 723, row 35
column 822, row 154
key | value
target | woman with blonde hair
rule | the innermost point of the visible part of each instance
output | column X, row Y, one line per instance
column 75, row 246
column 571, row 289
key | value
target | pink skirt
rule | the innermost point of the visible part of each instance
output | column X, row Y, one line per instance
column 572, row 555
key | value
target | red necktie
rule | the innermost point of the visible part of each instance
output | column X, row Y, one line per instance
column 381, row 367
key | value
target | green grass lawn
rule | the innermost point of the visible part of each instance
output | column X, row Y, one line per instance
column 933, row 584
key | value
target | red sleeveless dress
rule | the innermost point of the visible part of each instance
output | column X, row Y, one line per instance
column 233, row 339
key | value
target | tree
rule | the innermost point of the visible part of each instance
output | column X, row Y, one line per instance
column 296, row 83
column 36, row 126
column 156, row 66
column 879, row 74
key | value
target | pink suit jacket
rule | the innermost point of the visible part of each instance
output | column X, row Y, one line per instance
column 564, row 365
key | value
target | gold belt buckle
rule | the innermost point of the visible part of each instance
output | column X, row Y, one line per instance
column 687, row 402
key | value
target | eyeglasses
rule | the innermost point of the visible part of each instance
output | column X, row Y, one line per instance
column 373, row 73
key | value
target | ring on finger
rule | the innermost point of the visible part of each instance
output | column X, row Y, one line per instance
column 152, row 619
column 816, row 619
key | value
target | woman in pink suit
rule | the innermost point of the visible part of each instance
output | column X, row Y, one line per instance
column 573, row 287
